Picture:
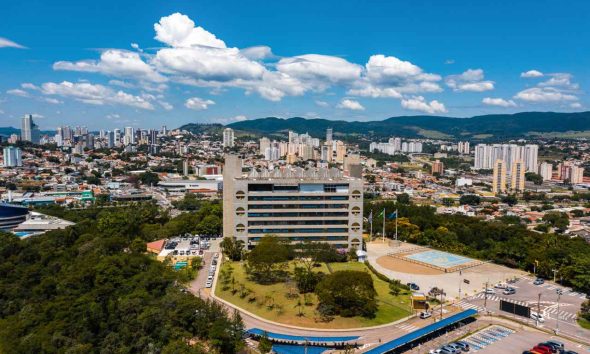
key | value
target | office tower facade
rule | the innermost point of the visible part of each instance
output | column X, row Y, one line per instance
column 329, row 133
column 546, row 171
column 517, row 176
column 129, row 137
column 499, row 177
column 29, row 130
column 117, row 137
column 185, row 168
column 228, row 137
column 294, row 204
column 12, row 157
column 438, row 167
column 110, row 139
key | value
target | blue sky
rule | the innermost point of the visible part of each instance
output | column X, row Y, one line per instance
column 116, row 63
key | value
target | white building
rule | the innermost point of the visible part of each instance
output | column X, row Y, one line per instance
column 546, row 171
column 487, row 155
column 29, row 130
column 228, row 137
column 12, row 157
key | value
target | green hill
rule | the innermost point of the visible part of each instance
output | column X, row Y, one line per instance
column 485, row 127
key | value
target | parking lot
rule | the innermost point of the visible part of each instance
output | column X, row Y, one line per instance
column 560, row 315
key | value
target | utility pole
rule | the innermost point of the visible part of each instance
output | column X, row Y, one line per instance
column 558, row 297
column 485, row 299
column 535, row 265
column 396, row 217
column 441, row 303
column 555, row 271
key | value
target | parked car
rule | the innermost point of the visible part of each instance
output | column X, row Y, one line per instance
column 544, row 348
column 458, row 348
column 555, row 343
column 450, row 349
column 501, row 286
column 425, row 314
column 537, row 317
column 509, row 291
column 539, row 281
column 490, row 291
column 464, row 345
column 208, row 284
column 413, row 286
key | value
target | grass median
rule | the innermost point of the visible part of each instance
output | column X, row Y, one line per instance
column 281, row 302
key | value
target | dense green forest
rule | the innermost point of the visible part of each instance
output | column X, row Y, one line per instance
column 503, row 243
column 91, row 288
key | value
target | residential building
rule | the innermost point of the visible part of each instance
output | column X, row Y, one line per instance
column 228, row 137
column 438, row 167
column 546, row 171
column 499, row 177
column 12, row 157
column 517, row 176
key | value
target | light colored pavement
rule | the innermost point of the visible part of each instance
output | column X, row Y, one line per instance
column 528, row 294
column 453, row 283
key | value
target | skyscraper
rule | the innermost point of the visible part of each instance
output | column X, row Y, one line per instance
column 499, row 179
column 12, row 157
column 129, row 137
column 228, row 137
column 546, row 171
column 264, row 144
column 329, row 134
column 29, row 130
column 438, row 167
column 517, row 176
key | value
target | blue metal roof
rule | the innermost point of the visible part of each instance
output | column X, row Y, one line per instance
column 279, row 336
column 417, row 334
column 298, row 349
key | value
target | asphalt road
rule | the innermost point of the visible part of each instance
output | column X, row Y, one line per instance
column 560, row 316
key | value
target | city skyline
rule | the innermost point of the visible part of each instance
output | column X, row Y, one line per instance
column 181, row 63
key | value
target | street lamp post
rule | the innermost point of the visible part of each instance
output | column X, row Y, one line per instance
column 555, row 271
column 558, row 297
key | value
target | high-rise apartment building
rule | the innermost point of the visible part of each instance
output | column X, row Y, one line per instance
column 463, row 147
column 264, row 143
column 29, row 130
column 486, row 155
column 228, row 137
column 329, row 135
column 12, row 157
column 129, row 137
column 499, row 177
column 294, row 204
column 546, row 171
column 438, row 167
column 517, row 176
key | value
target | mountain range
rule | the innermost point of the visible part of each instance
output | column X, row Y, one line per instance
column 484, row 127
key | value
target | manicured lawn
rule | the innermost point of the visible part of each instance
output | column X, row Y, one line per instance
column 278, row 302
column 584, row 323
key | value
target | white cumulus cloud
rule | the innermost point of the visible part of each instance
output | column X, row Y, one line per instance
column 544, row 95
column 198, row 104
column 320, row 70
column 531, row 74
column 500, row 102
column 94, row 94
column 18, row 92
column 418, row 103
column 114, row 62
column 178, row 30
column 259, row 52
column 351, row 105
column 470, row 80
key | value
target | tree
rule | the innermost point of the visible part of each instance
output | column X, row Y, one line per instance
column 534, row 177
column 347, row 293
column 511, row 199
column 232, row 248
column 469, row 199
column 267, row 261
column 448, row 202
column 149, row 178
column 403, row 198
column 264, row 344
column 559, row 221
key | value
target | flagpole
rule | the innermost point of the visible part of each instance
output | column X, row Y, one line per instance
column 396, row 217
column 383, row 225
column 371, row 224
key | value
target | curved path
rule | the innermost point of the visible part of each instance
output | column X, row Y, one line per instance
column 368, row 335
